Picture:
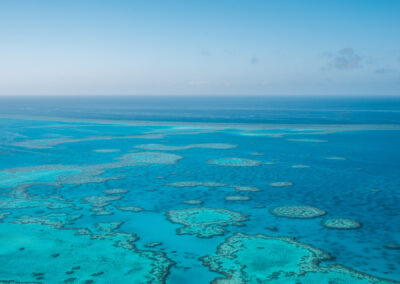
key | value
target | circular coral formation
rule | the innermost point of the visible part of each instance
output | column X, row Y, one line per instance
column 300, row 212
column 341, row 223
column 205, row 222
column 262, row 259
column 235, row 162
column 281, row 184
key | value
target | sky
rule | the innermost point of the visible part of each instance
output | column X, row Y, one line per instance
column 218, row 47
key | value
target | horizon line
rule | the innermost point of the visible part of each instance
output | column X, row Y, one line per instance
column 201, row 95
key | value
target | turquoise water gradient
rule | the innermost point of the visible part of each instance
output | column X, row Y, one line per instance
column 56, row 217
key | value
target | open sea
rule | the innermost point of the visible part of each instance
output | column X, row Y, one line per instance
column 199, row 190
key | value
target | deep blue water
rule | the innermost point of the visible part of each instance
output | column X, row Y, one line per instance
column 361, row 182
column 253, row 109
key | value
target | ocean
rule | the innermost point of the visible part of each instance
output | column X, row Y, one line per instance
column 180, row 189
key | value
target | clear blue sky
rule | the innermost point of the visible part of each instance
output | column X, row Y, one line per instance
column 200, row 47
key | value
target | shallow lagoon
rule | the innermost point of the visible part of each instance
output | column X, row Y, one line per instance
column 60, row 179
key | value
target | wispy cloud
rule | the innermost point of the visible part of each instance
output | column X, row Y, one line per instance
column 347, row 59
column 254, row 60
column 344, row 59
column 205, row 52
column 384, row 71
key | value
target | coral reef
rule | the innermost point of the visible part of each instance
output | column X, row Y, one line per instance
column 193, row 202
column 3, row 215
column 51, row 255
column 307, row 140
column 58, row 175
column 336, row 158
column 161, row 147
column 300, row 212
column 262, row 259
column 246, row 188
column 341, row 223
column 205, row 222
column 152, row 245
column 234, row 162
column 281, row 184
column 99, row 202
column 196, row 183
column 108, row 227
column 300, row 166
column 115, row 191
column 130, row 208
column 237, row 198
column 106, row 150
column 55, row 220
column 238, row 188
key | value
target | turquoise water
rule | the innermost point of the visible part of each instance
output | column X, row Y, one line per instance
column 97, row 195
